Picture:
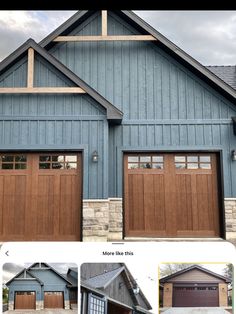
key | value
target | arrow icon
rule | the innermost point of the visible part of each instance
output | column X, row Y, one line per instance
column 7, row 253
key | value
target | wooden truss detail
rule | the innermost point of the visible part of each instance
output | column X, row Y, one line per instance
column 104, row 36
column 30, row 89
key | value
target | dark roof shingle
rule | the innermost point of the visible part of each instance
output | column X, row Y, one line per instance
column 226, row 73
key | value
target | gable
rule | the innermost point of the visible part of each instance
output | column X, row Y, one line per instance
column 195, row 275
column 141, row 78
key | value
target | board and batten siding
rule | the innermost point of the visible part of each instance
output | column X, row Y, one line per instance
column 55, row 122
column 166, row 107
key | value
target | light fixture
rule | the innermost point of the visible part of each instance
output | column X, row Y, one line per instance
column 136, row 289
column 233, row 155
column 95, row 156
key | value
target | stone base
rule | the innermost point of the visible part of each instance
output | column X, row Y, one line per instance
column 67, row 305
column 39, row 305
column 10, row 305
column 102, row 220
column 230, row 219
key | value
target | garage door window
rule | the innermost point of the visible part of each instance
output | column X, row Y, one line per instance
column 11, row 162
column 58, row 162
column 145, row 162
column 193, row 162
column 25, row 293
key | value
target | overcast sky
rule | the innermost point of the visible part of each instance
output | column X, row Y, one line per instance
column 208, row 36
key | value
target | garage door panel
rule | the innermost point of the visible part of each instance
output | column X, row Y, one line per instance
column 184, row 202
column 45, row 205
column 68, row 216
column 14, row 204
column 159, row 222
column 136, row 218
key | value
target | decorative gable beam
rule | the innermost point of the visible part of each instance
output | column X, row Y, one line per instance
column 105, row 38
column 104, row 23
column 41, row 90
column 30, row 72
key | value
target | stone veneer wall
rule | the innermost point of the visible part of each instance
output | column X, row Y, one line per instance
column 230, row 219
column 102, row 220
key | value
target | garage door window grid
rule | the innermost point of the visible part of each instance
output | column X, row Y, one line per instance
column 146, row 162
column 11, row 162
column 58, row 162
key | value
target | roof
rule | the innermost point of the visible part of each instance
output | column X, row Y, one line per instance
column 226, row 73
column 167, row 278
column 101, row 281
column 143, row 27
column 113, row 114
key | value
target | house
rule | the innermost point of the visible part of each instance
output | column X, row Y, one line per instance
column 40, row 286
column 195, row 286
column 109, row 131
column 109, row 288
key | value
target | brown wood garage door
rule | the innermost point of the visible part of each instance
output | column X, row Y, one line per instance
column 201, row 296
column 40, row 197
column 25, row 300
column 53, row 300
column 172, row 195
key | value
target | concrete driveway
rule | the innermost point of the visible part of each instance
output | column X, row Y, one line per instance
column 195, row 310
column 56, row 311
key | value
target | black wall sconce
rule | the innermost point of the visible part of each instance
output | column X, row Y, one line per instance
column 95, row 156
column 233, row 155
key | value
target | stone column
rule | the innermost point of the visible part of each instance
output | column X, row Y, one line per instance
column 223, row 294
column 167, row 295
column 230, row 219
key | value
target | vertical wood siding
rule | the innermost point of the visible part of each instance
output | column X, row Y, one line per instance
column 166, row 107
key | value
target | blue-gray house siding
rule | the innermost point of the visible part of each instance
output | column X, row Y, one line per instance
column 166, row 107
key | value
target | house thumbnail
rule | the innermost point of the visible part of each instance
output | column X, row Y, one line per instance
column 195, row 286
column 40, row 286
column 110, row 288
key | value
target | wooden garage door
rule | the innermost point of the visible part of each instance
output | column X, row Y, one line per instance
column 25, row 300
column 201, row 296
column 171, row 195
column 53, row 300
column 40, row 197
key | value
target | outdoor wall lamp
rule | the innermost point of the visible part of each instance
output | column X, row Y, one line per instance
column 95, row 156
column 233, row 155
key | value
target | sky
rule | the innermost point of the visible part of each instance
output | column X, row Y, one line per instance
column 208, row 36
